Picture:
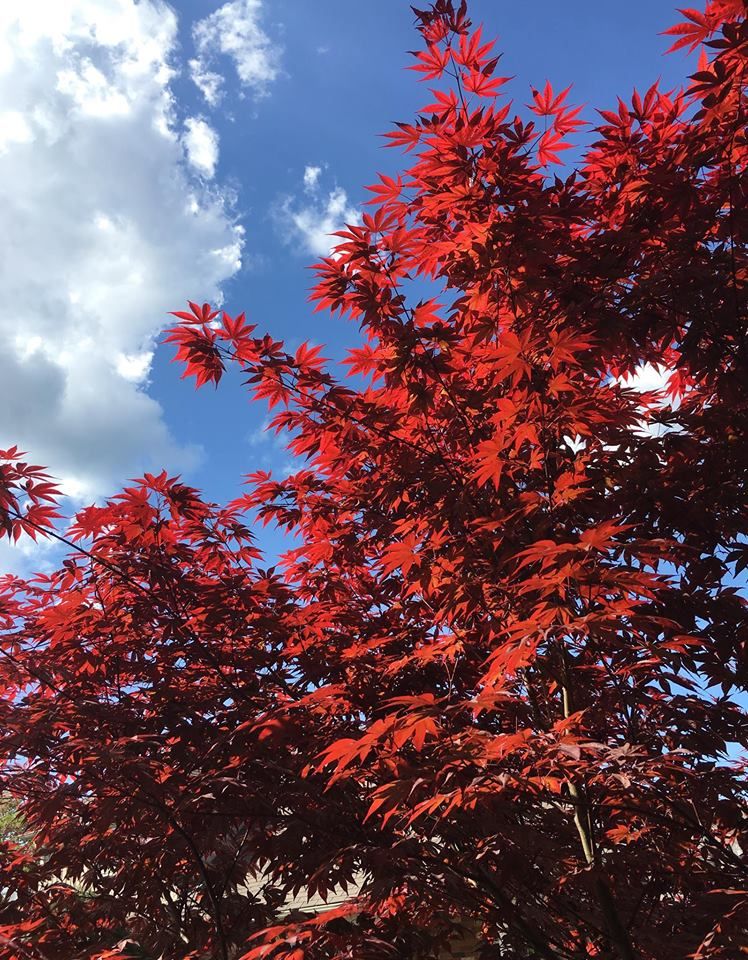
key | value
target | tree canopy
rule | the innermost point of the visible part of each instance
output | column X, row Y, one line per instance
column 491, row 697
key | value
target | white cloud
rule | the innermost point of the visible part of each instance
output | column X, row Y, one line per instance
column 646, row 377
column 311, row 177
column 14, row 128
column 201, row 144
column 91, row 92
column 105, row 229
column 134, row 366
column 310, row 224
column 234, row 31
column 25, row 557
column 208, row 82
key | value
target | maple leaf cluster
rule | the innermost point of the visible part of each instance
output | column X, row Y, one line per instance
column 490, row 701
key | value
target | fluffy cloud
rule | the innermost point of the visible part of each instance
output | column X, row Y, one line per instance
column 201, row 143
column 309, row 223
column 105, row 229
column 234, row 31
column 311, row 178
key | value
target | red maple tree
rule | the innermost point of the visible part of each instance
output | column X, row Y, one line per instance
column 492, row 696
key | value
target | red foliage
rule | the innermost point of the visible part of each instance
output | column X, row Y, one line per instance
column 27, row 497
column 494, row 690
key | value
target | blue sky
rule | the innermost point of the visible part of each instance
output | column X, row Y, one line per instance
column 129, row 187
